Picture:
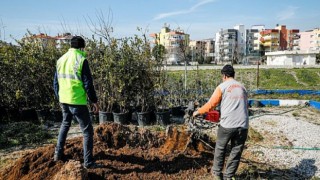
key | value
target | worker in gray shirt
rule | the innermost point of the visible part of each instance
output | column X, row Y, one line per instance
column 234, row 122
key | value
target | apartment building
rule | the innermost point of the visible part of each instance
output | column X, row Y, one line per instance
column 63, row 39
column 316, row 41
column 279, row 38
column 176, row 43
column 41, row 37
column 257, row 36
column 238, row 45
column 202, row 48
column 45, row 39
column 241, row 41
column 252, row 46
column 270, row 39
column 309, row 40
column 226, row 45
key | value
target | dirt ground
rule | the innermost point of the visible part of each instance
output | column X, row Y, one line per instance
column 124, row 152
column 130, row 152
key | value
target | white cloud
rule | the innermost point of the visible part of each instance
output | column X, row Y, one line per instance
column 287, row 13
column 185, row 11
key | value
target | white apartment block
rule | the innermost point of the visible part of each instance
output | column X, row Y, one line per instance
column 226, row 46
column 238, row 44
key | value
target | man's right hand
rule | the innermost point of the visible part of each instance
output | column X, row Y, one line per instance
column 196, row 113
column 95, row 108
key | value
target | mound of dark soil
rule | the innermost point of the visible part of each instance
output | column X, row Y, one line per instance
column 125, row 152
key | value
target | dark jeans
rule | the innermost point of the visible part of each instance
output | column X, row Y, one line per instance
column 238, row 137
column 81, row 113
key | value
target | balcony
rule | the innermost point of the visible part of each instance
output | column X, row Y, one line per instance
column 226, row 58
column 266, row 38
column 295, row 43
column 268, row 44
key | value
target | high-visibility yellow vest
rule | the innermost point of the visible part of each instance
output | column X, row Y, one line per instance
column 69, row 68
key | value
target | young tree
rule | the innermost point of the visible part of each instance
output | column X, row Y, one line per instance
column 159, row 52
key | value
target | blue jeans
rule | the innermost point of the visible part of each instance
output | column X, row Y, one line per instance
column 237, row 136
column 81, row 113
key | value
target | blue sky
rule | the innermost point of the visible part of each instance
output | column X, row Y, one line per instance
column 200, row 18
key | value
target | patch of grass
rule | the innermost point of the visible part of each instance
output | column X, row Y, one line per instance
column 308, row 76
column 295, row 114
column 157, row 128
column 22, row 133
column 268, row 78
column 254, row 136
column 272, row 123
column 277, row 79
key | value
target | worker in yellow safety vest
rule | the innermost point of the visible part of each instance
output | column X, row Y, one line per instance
column 73, row 84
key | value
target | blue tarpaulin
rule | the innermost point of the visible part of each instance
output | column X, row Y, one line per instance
column 315, row 104
column 292, row 91
column 264, row 102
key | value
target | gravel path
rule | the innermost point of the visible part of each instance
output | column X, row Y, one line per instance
column 285, row 129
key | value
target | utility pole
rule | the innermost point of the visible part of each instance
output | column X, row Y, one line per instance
column 4, row 32
column 258, row 73
column 185, row 75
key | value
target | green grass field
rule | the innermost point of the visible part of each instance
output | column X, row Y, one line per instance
column 207, row 80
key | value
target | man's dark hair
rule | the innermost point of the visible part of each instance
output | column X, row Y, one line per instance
column 77, row 42
column 228, row 71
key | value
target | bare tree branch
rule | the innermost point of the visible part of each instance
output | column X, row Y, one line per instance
column 103, row 26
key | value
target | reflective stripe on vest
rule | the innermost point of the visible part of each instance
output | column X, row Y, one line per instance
column 69, row 67
column 68, row 76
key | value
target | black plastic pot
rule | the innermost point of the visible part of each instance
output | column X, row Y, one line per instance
column 29, row 115
column 3, row 114
column 177, row 111
column 163, row 117
column 57, row 115
column 120, row 118
column 44, row 115
column 13, row 115
column 143, row 118
column 105, row 117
